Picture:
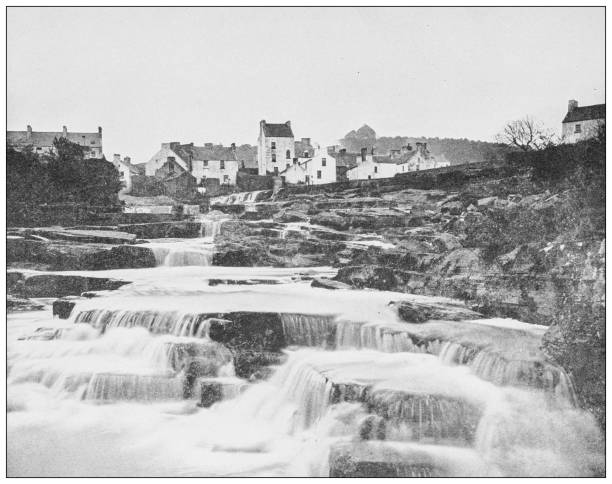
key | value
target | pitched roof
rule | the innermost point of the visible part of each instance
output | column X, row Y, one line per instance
column 45, row 138
column 248, row 154
column 584, row 113
column 201, row 153
column 278, row 130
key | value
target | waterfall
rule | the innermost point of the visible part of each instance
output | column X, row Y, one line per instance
column 185, row 253
column 240, row 198
column 157, row 322
column 310, row 391
column 108, row 386
column 308, row 329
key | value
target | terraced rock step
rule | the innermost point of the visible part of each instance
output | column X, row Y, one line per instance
column 393, row 459
column 35, row 285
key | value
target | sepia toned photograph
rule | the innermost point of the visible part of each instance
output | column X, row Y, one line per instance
column 341, row 242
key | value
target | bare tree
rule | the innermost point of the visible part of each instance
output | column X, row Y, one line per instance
column 525, row 134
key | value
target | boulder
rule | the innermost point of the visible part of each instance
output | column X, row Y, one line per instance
column 57, row 285
column 62, row 308
column 288, row 216
column 368, row 276
column 414, row 312
column 328, row 283
column 454, row 208
column 120, row 257
column 331, row 220
column 14, row 304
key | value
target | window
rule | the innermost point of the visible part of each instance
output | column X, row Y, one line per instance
column 225, row 178
column 170, row 168
column 92, row 142
column 288, row 165
column 276, row 170
column 375, row 169
column 578, row 129
column 222, row 165
column 273, row 145
column 323, row 162
column 205, row 163
column 288, row 154
column 319, row 174
column 307, row 179
column 273, row 158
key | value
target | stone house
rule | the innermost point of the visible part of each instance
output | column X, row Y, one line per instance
column 202, row 162
column 275, row 147
column 582, row 122
column 317, row 170
column 41, row 142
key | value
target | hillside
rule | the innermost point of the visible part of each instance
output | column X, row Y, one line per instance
column 457, row 151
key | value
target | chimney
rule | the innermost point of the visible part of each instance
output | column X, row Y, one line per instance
column 306, row 141
column 288, row 123
column 64, row 132
column 364, row 151
column 208, row 145
column 99, row 129
column 342, row 151
column 29, row 132
column 116, row 158
column 127, row 160
column 233, row 145
column 571, row 105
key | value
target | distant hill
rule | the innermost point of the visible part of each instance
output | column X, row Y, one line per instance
column 457, row 151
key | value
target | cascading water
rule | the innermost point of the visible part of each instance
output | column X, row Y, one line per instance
column 360, row 393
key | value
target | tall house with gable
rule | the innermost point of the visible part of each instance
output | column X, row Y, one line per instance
column 275, row 147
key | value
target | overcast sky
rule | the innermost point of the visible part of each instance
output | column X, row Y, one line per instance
column 149, row 75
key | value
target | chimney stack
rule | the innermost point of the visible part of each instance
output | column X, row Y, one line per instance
column 29, row 132
column 233, row 147
column 306, row 141
column 364, row 151
column 571, row 105
column 342, row 151
column 64, row 132
column 127, row 160
column 99, row 129
column 116, row 158
column 288, row 123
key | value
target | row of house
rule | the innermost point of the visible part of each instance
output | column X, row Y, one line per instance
column 277, row 153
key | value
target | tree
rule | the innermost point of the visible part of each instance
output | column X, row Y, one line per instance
column 525, row 134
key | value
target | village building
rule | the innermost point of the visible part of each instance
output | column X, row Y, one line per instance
column 316, row 170
column 126, row 171
column 275, row 147
column 581, row 123
column 371, row 166
column 344, row 161
column 41, row 142
column 202, row 162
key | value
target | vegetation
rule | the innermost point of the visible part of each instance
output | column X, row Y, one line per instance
column 63, row 177
column 525, row 134
column 457, row 151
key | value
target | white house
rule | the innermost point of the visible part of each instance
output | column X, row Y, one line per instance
column 275, row 147
column 203, row 162
column 319, row 169
column 126, row 170
column 370, row 166
column 582, row 122
column 168, row 150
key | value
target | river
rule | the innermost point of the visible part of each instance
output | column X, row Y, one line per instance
column 112, row 391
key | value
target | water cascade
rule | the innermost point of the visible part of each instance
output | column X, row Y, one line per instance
column 163, row 377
